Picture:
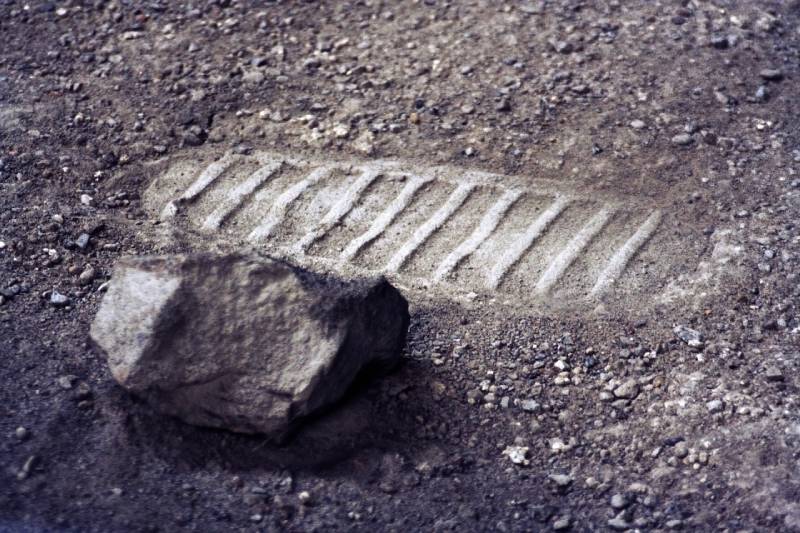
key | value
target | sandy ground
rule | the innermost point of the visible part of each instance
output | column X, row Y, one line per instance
column 510, row 413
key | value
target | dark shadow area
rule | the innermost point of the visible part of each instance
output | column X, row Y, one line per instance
column 364, row 418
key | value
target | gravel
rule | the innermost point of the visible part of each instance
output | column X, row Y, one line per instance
column 98, row 98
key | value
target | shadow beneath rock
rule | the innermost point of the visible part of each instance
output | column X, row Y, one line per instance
column 367, row 417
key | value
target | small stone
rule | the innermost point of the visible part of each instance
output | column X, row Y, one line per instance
column 682, row 139
column 517, row 455
column 628, row 390
column 561, row 480
column 58, row 300
column 638, row 124
column 67, row 382
column 529, row 406
column 722, row 98
column 618, row 523
column 619, row 501
column 365, row 142
column 692, row 337
column 771, row 74
column 562, row 47
column 87, row 276
column 253, row 76
column 715, row 406
column 21, row 433
column 773, row 373
column 82, row 241
column 580, row 88
column 340, row 131
column 681, row 450
column 562, row 523
column 720, row 42
column 83, row 391
column 86, row 199
column 304, row 497
column 761, row 93
column 27, row 467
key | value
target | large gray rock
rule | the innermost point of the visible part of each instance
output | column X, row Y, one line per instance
column 243, row 342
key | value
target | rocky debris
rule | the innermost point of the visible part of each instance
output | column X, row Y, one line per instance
column 619, row 523
column 562, row 523
column 619, row 501
column 690, row 336
column 82, row 241
column 561, row 480
column 773, row 373
column 682, row 139
column 517, row 455
column 715, row 406
column 771, row 74
column 243, row 342
column 628, row 390
column 58, row 300
column 87, row 275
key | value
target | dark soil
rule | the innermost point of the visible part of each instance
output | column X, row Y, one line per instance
column 92, row 93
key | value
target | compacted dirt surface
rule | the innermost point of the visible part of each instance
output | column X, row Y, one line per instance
column 669, row 402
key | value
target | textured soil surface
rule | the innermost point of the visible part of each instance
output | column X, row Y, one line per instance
column 510, row 418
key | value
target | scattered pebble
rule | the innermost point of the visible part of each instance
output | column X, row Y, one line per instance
column 562, row 523
column 628, row 390
column 518, row 455
column 771, row 74
column 87, row 276
column 619, row 501
column 82, row 241
column 58, row 300
column 682, row 139
column 690, row 336
column 773, row 373
column 561, row 480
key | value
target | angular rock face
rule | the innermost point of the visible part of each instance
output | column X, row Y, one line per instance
column 243, row 342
